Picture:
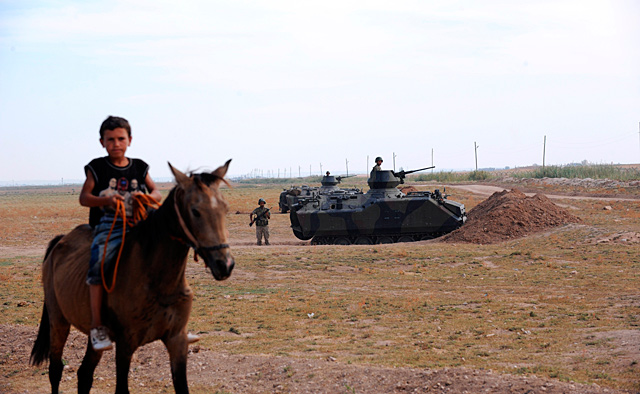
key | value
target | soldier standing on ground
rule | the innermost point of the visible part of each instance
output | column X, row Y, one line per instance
column 262, row 216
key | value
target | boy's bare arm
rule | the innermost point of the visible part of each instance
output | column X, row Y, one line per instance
column 89, row 200
column 153, row 190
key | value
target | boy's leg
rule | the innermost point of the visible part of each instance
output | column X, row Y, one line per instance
column 95, row 297
column 99, row 334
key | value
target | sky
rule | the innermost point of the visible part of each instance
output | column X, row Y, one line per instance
column 292, row 87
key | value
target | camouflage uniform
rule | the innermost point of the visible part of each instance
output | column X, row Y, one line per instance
column 374, row 169
column 262, row 225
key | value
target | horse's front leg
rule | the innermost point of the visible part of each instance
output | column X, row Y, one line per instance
column 177, row 348
column 123, row 363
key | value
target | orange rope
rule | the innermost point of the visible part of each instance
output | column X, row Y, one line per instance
column 140, row 204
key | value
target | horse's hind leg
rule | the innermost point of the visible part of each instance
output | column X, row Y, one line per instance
column 88, row 366
column 58, row 337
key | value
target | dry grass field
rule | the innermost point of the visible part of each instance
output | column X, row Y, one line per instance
column 557, row 311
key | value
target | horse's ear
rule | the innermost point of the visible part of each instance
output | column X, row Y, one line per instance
column 180, row 177
column 221, row 171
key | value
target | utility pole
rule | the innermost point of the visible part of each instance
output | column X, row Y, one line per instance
column 394, row 161
column 347, row 162
column 476, row 149
column 544, row 152
column 309, row 169
column 299, row 176
column 432, row 160
column 320, row 169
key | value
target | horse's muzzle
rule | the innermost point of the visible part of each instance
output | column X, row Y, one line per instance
column 221, row 265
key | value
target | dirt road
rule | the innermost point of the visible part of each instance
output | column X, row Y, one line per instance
column 487, row 190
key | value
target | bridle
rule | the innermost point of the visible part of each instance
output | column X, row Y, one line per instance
column 191, row 240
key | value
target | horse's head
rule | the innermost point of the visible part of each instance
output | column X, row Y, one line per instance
column 201, row 211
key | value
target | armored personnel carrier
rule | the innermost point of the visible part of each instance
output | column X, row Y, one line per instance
column 383, row 214
column 289, row 197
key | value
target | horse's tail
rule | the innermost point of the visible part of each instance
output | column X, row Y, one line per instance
column 42, row 344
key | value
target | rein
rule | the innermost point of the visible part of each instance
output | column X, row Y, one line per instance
column 140, row 204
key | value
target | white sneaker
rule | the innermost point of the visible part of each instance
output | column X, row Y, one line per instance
column 100, row 339
column 192, row 338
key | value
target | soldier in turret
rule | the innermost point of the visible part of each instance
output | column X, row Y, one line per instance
column 378, row 166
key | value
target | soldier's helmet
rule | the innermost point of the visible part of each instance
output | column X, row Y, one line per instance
column 379, row 158
column 261, row 200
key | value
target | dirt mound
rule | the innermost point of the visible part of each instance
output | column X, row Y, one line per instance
column 507, row 215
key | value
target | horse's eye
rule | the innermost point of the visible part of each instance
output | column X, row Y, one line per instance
column 195, row 212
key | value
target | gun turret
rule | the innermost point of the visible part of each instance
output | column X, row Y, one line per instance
column 332, row 181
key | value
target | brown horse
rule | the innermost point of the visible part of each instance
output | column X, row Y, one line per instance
column 151, row 298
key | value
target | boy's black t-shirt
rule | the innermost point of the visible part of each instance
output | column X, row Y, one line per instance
column 111, row 179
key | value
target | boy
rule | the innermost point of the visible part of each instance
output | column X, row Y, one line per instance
column 109, row 179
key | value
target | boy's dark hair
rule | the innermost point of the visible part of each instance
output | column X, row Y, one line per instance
column 114, row 122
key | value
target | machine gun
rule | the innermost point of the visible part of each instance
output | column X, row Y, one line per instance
column 341, row 177
column 262, row 215
column 403, row 173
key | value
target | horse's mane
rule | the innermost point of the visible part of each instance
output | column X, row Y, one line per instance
column 208, row 178
column 154, row 216
column 155, row 221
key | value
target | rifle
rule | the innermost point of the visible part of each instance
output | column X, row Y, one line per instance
column 259, row 217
